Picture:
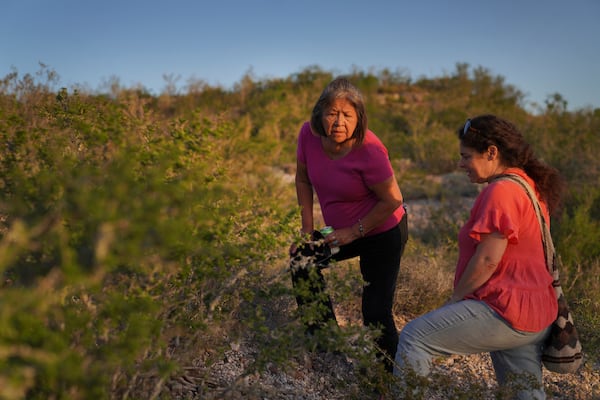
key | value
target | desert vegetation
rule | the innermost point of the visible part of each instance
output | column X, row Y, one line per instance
column 144, row 236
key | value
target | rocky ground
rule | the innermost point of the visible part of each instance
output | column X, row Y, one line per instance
column 328, row 376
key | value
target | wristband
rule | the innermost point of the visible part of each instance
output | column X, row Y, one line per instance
column 361, row 229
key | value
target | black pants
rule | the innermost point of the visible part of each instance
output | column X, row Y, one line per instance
column 380, row 256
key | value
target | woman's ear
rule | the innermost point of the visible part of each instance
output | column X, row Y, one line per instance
column 492, row 152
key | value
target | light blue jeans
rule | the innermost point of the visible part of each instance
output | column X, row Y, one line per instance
column 470, row 327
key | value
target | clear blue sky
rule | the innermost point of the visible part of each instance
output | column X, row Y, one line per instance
column 539, row 46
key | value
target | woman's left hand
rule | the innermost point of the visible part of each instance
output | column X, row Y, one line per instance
column 340, row 237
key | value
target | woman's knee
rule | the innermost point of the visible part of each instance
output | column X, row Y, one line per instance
column 408, row 335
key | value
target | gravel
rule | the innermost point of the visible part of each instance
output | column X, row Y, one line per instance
column 316, row 376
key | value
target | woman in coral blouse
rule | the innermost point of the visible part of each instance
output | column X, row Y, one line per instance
column 503, row 301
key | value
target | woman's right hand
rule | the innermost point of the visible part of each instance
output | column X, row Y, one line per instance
column 294, row 246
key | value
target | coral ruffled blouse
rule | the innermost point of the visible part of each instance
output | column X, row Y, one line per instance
column 520, row 290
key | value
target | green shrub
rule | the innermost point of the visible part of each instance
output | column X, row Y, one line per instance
column 140, row 235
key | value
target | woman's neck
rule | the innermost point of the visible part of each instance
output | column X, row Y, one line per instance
column 500, row 170
column 337, row 150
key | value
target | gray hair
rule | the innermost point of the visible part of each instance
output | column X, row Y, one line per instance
column 340, row 88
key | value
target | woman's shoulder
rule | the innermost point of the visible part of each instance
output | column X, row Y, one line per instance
column 504, row 194
column 503, row 188
column 372, row 138
column 306, row 133
column 507, row 186
column 305, row 128
column 372, row 142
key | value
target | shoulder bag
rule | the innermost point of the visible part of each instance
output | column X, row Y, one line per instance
column 561, row 351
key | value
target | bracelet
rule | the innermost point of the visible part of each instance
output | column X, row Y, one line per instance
column 361, row 229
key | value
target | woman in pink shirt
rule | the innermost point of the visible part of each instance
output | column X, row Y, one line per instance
column 503, row 301
column 349, row 169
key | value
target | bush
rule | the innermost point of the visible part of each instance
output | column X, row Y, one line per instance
column 142, row 235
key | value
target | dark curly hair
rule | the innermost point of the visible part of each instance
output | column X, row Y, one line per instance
column 486, row 130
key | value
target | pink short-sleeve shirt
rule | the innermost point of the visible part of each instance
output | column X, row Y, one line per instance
column 520, row 290
column 342, row 185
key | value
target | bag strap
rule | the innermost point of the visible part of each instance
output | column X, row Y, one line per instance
column 549, row 250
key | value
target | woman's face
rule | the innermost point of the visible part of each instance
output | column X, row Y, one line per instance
column 478, row 166
column 340, row 121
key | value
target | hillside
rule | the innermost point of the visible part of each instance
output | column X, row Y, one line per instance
column 143, row 239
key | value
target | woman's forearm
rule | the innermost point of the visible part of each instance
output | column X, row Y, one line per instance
column 304, row 193
column 390, row 198
column 477, row 273
column 482, row 265
column 377, row 216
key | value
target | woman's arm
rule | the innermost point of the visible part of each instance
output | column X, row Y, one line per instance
column 304, row 193
column 390, row 198
column 481, row 266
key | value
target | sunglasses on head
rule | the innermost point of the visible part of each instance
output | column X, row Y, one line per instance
column 466, row 128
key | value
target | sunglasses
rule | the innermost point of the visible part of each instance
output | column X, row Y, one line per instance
column 466, row 128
